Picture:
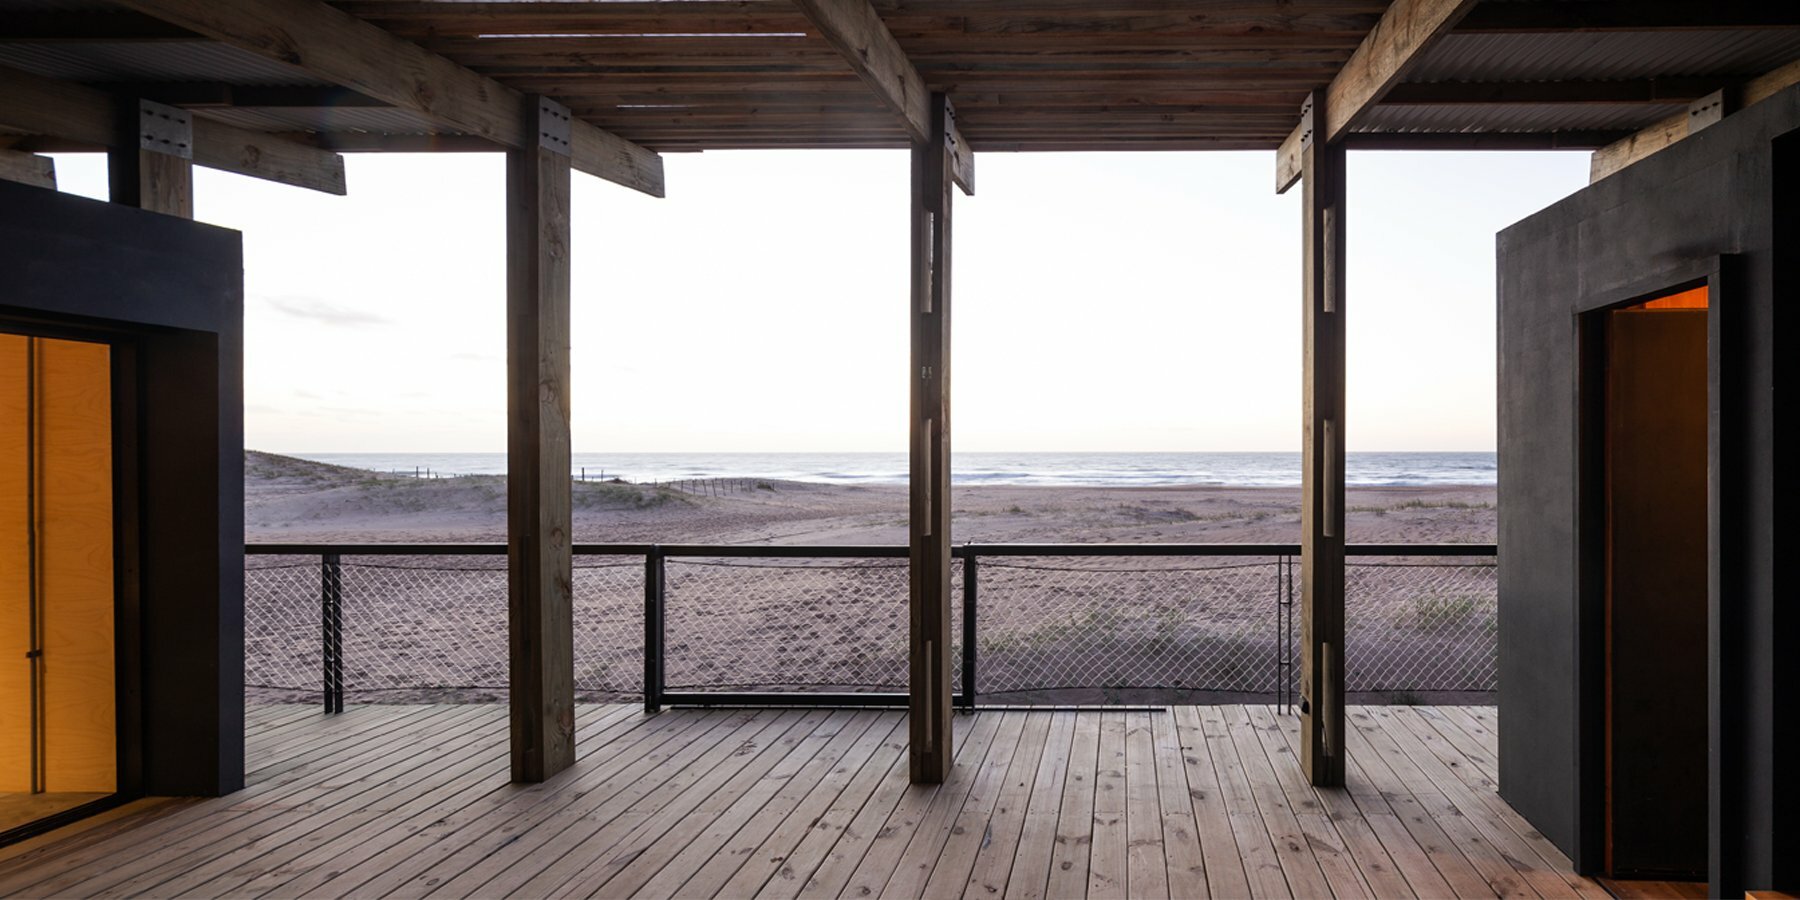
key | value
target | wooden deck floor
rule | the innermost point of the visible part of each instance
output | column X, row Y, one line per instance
column 1192, row 801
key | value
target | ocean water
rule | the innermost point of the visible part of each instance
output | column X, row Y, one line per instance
column 1082, row 469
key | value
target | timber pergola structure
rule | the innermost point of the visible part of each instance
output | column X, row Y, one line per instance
column 277, row 89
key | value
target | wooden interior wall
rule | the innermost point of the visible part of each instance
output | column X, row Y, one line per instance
column 74, row 564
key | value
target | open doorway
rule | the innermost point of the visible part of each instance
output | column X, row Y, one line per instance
column 58, row 690
column 1656, row 558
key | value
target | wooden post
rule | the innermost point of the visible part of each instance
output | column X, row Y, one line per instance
column 1322, row 455
column 929, row 652
column 151, row 166
column 540, row 575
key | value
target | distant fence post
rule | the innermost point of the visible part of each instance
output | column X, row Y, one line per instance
column 331, row 609
column 653, row 629
column 970, row 592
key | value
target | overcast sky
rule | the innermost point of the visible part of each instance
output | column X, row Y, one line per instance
column 1127, row 301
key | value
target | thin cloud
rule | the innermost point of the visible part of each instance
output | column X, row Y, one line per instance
column 323, row 312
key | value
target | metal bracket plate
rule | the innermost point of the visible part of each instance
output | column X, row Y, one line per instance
column 1307, row 123
column 555, row 127
column 1707, row 111
column 165, row 129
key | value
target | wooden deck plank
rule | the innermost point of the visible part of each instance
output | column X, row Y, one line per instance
column 409, row 801
column 994, row 811
column 1186, row 863
column 759, row 847
column 1025, row 872
column 273, row 840
column 1146, row 860
column 871, row 792
column 1225, row 864
column 548, row 848
column 375, row 828
column 697, row 837
column 201, row 824
column 1075, row 821
column 878, row 847
column 1409, row 786
column 1250, row 772
column 1284, row 794
column 1109, row 846
column 1327, row 815
column 1471, row 749
column 1417, row 864
column 970, row 788
column 1548, row 870
column 425, row 853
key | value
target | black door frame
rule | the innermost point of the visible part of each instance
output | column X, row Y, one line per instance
column 127, row 612
column 1725, row 617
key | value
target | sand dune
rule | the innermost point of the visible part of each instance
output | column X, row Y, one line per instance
column 289, row 499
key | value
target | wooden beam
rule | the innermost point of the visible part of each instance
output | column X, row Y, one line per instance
column 1542, row 16
column 1404, row 33
column 929, row 667
column 224, row 95
column 340, row 48
column 28, row 168
column 155, row 172
column 1624, row 152
column 540, row 596
column 89, row 118
column 856, row 30
column 1322, row 751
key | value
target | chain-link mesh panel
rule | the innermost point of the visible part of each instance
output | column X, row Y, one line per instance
column 1420, row 627
column 769, row 625
column 425, row 628
column 1048, row 626
column 282, row 630
column 609, row 628
column 429, row 628
column 1072, row 629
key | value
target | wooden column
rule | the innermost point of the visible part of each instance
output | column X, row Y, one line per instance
column 1322, row 456
column 151, row 166
column 539, row 585
column 929, row 672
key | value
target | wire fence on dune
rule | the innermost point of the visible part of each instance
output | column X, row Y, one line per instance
column 1048, row 629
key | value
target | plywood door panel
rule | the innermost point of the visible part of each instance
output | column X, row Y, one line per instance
column 76, row 558
column 15, row 670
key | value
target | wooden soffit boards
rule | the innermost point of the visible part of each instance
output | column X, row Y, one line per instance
column 340, row 48
column 1406, row 30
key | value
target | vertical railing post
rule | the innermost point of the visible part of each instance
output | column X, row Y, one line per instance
column 1287, row 602
column 970, row 592
column 331, row 610
column 653, row 629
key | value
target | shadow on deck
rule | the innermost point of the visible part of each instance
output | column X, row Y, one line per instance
column 1185, row 802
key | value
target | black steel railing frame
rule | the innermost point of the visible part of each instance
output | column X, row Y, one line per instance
column 655, row 689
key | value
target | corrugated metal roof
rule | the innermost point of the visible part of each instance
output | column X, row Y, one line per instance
column 149, row 61
column 1512, row 118
column 1571, row 56
column 57, row 6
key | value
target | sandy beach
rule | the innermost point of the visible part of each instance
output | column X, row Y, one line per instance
column 292, row 500
column 1057, row 629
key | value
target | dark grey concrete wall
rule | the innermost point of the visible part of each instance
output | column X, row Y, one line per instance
column 170, row 293
column 1703, row 209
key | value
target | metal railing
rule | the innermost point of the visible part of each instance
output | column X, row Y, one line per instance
column 690, row 624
